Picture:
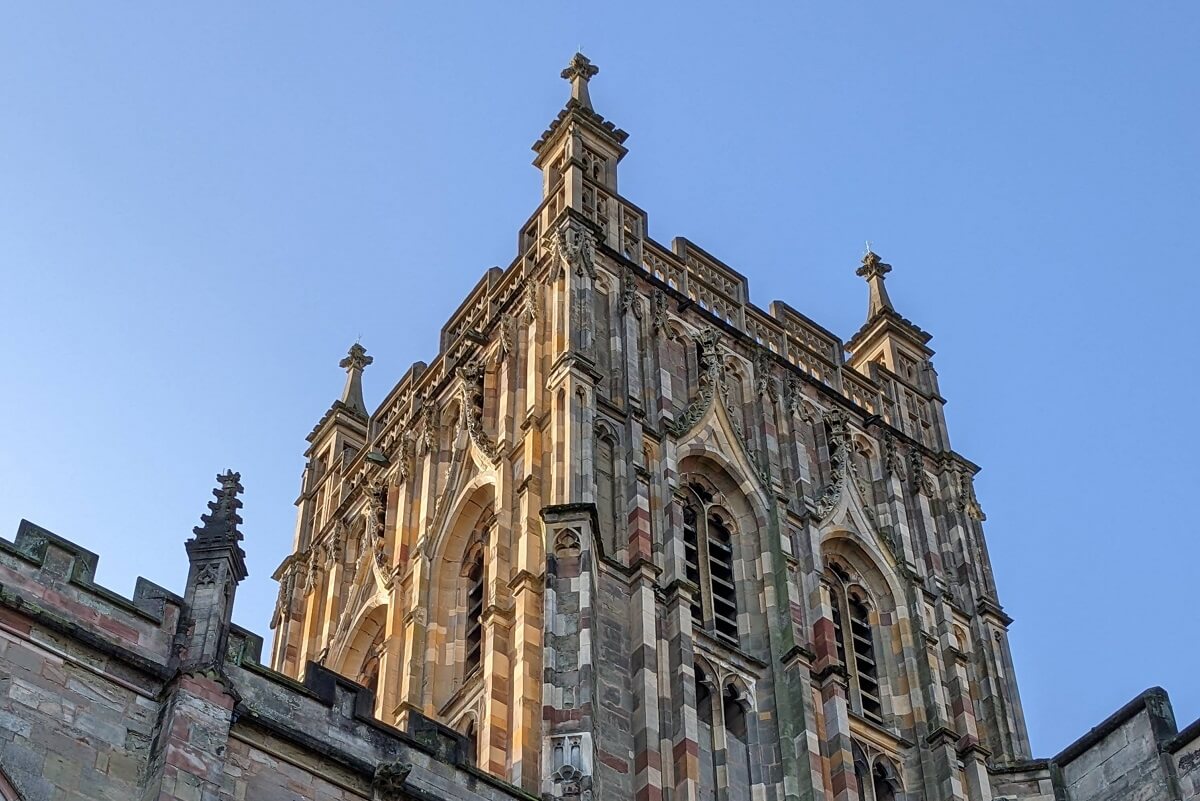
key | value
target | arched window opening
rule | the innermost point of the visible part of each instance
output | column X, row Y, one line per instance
column 472, row 735
column 708, row 563
column 737, row 746
column 369, row 675
column 606, row 489
column 724, row 594
column 602, row 313
column 864, row 658
column 691, row 557
column 704, row 719
column 861, row 772
column 474, row 575
column 884, row 787
column 854, row 639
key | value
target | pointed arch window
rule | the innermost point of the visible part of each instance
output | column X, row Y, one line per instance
column 723, row 718
column 855, row 640
column 708, row 563
column 474, row 577
column 369, row 675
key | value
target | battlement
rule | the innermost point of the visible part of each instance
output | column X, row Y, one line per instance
column 350, row 736
column 52, row 580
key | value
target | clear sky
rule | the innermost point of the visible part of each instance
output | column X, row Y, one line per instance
column 203, row 206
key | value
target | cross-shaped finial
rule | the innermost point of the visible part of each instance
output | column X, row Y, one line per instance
column 579, row 72
column 356, row 358
column 873, row 269
column 872, row 265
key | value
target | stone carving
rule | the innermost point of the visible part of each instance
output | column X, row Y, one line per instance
column 390, row 780
column 375, row 510
column 629, row 297
column 313, row 575
column 922, row 483
column 658, row 310
column 508, row 325
column 574, row 248
column 764, row 379
column 335, row 545
column 529, row 303
column 967, row 502
column 300, row 571
column 208, row 574
column 840, row 461
column 356, row 359
column 710, row 381
column 471, row 375
column 283, row 601
column 794, row 394
column 430, row 415
column 566, row 543
column 892, row 461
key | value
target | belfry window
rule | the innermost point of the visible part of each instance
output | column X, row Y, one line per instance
column 855, row 642
column 708, row 563
column 473, row 575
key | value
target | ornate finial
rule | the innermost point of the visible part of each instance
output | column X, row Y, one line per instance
column 354, row 363
column 873, row 269
column 220, row 524
column 579, row 72
column 356, row 358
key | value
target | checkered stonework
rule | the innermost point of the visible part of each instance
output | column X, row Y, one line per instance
column 727, row 555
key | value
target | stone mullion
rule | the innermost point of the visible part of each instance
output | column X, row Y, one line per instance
column 787, row 644
column 535, row 396
column 685, row 742
column 420, row 659
column 526, row 708
column 414, row 634
column 998, row 689
column 830, row 678
column 493, row 729
column 529, row 564
column 310, row 643
column 632, row 355
column 896, row 514
column 928, row 524
column 391, row 660
column 331, row 590
column 568, row 687
column 800, row 484
column 680, row 650
column 291, row 619
column 647, row 759
column 942, row 773
column 968, row 747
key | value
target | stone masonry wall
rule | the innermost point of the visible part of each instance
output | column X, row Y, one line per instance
column 97, row 703
column 72, row 724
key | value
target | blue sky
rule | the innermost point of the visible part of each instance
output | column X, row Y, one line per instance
column 201, row 207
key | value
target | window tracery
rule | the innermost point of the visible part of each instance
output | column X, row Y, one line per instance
column 855, row 640
column 474, row 575
column 723, row 723
column 708, row 557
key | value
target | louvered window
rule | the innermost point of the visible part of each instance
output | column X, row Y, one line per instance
column 474, row 629
column 708, row 562
column 854, row 638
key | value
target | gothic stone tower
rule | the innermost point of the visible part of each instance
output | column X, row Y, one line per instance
column 637, row 538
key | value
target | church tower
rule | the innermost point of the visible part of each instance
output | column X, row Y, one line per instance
column 635, row 537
